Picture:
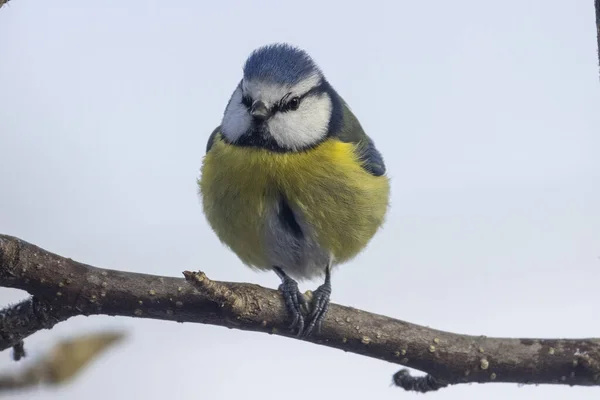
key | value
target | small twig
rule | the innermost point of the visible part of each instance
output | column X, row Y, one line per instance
column 597, row 7
column 19, row 351
column 224, row 297
column 27, row 317
column 422, row 384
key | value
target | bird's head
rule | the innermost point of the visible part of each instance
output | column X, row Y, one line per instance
column 283, row 102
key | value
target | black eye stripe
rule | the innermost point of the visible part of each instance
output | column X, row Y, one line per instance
column 285, row 98
column 247, row 100
column 284, row 105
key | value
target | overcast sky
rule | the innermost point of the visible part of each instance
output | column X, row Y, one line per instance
column 487, row 113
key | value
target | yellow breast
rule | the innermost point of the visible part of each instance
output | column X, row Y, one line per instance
column 344, row 204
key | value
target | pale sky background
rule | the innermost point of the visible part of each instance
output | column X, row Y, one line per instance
column 488, row 115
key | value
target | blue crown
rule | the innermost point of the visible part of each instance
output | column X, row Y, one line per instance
column 279, row 63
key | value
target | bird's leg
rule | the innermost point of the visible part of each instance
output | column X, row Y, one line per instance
column 294, row 300
column 320, row 304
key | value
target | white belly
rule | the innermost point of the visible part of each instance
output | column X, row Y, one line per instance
column 296, row 252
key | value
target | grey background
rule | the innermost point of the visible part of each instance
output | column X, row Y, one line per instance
column 487, row 114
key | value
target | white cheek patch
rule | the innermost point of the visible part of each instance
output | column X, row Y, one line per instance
column 304, row 126
column 236, row 119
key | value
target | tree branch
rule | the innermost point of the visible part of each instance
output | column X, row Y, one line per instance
column 62, row 288
column 597, row 6
column 27, row 317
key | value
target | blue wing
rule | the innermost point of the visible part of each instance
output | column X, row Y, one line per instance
column 351, row 131
column 371, row 157
column 211, row 138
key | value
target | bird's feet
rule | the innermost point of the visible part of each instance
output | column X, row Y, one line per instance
column 294, row 300
column 320, row 305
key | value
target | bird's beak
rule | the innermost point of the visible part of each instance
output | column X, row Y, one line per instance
column 259, row 110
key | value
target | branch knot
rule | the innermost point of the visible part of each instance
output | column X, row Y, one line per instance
column 216, row 291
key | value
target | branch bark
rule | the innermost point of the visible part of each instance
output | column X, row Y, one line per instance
column 597, row 7
column 62, row 288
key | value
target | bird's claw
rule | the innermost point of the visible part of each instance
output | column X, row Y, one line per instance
column 295, row 303
column 320, row 305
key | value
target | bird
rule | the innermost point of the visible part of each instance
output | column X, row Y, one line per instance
column 290, row 181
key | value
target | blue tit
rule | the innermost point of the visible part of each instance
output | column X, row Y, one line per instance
column 290, row 181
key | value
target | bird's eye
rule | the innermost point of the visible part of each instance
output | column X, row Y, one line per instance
column 294, row 103
column 247, row 101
